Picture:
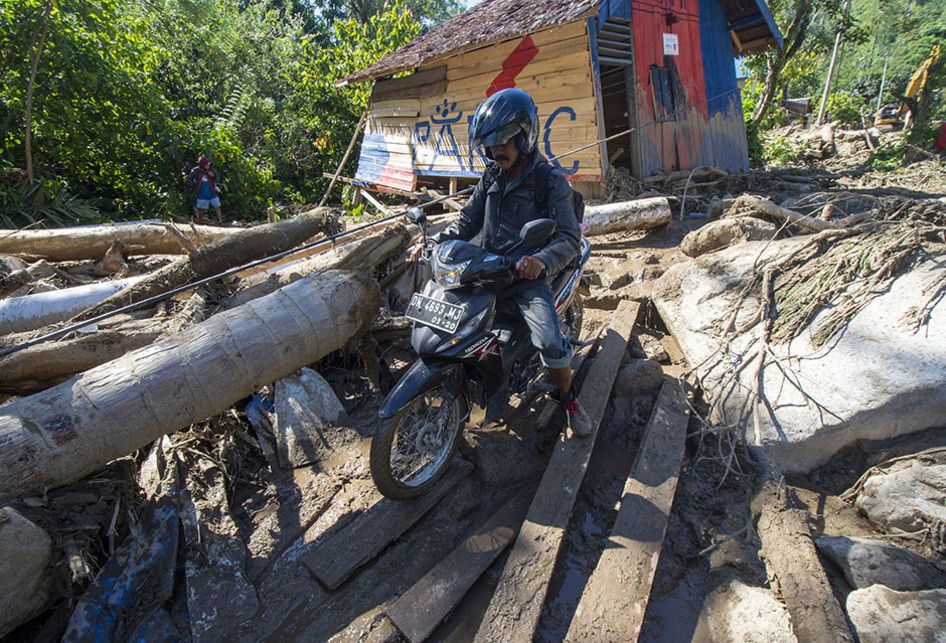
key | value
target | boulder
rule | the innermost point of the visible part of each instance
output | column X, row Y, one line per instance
column 726, row 232
column 734, row 611
column 875, row 562
column 881, row 615
column 308, row 415
column 504, row 458
column 877, row 380
column 25, row 569
column 638, row 376
column 906, row 500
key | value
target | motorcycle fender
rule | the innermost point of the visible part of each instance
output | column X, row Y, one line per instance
column 420, row 377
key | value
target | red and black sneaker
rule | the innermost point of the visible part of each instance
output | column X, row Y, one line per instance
column 578, row 420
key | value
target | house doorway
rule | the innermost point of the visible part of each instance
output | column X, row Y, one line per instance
column 615, row 64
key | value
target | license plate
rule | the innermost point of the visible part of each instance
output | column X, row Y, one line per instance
column 434, row 313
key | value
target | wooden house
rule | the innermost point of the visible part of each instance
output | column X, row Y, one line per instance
column 663, row 69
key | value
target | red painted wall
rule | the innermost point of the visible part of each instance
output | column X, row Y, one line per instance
column 652, row 19
column 676, row 144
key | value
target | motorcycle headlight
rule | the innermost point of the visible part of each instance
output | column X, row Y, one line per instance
column 447, row 274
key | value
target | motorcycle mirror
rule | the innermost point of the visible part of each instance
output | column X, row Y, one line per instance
column 537, row 231
column 416, row 215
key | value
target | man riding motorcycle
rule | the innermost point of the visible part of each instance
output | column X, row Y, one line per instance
column 506, row 126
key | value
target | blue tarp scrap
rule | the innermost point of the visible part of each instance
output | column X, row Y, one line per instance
column 133, row 584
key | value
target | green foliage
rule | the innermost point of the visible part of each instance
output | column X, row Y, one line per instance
column 889, row 157
column 756, row 147
column 898, row 32
column 779, row 150
column 426, row 12
column 23, row 204
column 845, row 108
column 128, row 95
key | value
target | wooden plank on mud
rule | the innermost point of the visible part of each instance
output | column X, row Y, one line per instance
column 614, row 601
column 337, row 558
column 514, row 611
column 425, row 605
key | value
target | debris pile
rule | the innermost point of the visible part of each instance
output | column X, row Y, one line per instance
column 194, row 466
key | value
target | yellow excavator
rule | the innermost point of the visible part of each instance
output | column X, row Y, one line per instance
column 895, row 115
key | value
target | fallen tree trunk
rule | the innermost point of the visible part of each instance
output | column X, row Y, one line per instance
column 72, row 429
column 40, row 366
column 53, row 360
column 241, row 247
column 628, row 215
column 795, row 570
column 91, row 242
column 365, row 255
column 29, row 312
column 768, row 208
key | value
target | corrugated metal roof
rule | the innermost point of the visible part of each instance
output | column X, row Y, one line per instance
column 489, row 22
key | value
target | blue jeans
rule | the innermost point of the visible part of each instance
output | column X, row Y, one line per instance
column 535, row 304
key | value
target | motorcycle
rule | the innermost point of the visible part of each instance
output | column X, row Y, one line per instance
column 468, row 351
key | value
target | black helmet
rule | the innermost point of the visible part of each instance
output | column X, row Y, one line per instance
column 505, row 114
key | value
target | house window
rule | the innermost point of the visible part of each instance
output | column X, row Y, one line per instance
column 662, row 85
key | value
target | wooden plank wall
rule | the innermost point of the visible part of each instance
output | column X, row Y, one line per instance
column 432, row 131
column 707, row 129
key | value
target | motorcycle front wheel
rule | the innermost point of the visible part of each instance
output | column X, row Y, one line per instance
column 413, row 450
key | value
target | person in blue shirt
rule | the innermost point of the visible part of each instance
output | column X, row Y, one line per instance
column 204, row 180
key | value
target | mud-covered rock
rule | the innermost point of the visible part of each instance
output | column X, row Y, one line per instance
column 645, row 345
column 882, row 615
column 875, row 562
column 878, row 379
column 309, row 417
column 735, row 611
column 726, row 232
column 503, row 457
column 907, row 500
column 637, row 376
column 25, row 571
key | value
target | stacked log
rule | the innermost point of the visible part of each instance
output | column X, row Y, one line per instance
column 92, row 242
column 72, row 429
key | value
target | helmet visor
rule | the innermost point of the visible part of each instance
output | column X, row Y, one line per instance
column 498, row 136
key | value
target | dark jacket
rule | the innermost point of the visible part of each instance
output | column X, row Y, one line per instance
column 502, row 210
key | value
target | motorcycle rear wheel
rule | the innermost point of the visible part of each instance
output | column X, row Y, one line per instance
column 412, row 451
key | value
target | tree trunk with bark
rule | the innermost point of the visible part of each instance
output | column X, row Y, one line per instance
column 242, row 247
column 627, row 215
column 776, row 60
column 72, row 429
column 36, row 52
column 365, row 254
column 93, row 242
column 38, row 367
column 795, row 569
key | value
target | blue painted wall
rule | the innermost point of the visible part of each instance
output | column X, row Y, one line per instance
column 725, row 143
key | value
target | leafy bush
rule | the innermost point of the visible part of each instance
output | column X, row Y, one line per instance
column 23, row 204
column 779, row 150
column 846, row 108
column 756, row 147
column 889, row 157
column 128, row 95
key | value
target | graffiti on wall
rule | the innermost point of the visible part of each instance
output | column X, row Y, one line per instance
column 437, row 132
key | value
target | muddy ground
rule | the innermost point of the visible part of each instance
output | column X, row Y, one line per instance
column 276, row 518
